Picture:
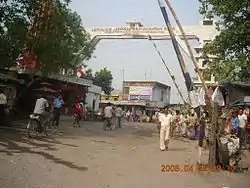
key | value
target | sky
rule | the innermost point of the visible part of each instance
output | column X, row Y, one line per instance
column 138, row 58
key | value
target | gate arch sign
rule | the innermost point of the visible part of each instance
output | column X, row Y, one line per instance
column 135, row 30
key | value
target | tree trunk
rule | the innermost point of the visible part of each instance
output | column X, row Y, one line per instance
column 28, row 85
column 213, row 139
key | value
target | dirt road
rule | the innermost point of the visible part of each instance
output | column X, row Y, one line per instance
column 88, row 157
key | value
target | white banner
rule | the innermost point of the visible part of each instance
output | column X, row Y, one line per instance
column 140, row 90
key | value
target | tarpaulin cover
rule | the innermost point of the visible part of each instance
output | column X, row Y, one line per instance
column 235, row 91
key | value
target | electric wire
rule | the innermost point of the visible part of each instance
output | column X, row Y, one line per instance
column 168, row 70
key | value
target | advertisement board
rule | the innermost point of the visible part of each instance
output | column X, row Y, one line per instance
column 140, row 90
column 130, row 30
column 134, row 97
column 140, row 97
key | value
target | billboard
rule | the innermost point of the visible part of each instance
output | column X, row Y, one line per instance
column 140, row 97
column 140, row 90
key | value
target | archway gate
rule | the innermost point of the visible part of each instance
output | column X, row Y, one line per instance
column 135, row 30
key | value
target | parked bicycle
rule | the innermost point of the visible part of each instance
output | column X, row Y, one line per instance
column 35, row 126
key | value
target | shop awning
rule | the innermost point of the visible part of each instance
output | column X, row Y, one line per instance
column 128, row 103
column 6, row 78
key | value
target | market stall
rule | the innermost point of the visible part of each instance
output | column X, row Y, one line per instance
column 232, row 145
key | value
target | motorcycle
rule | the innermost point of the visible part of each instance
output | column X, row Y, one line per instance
column 99, row 116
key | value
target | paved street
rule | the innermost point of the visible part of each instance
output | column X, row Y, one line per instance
column 88, row 157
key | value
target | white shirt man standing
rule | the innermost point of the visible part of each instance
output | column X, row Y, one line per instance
column 108, row 113
column 242, row 127
column 165, row 120
column 118, row 115
column 3, row 102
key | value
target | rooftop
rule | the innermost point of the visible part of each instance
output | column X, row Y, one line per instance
column 147, row 82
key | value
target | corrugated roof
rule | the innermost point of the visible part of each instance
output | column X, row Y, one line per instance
column 116, row 92
column 7, row 77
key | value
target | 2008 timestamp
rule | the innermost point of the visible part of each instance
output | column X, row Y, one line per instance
column 191, row 168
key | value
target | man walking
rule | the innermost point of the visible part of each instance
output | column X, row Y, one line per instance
column 165, row 120
column 58, row 102
column 118, row 114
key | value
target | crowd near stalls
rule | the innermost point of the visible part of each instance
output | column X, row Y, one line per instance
column 233, row 123
column 8, row 85
column 232, row 132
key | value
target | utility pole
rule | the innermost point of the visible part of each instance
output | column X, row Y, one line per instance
column 186, row 75
column 168, row 70
column 197, row 69
column 122, row 75
column 212, row 108
column 146, row 76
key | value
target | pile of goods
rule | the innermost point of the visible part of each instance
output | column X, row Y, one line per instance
column 231, row 145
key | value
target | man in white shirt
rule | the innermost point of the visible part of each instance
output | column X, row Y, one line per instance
column 41, row 108
column 108, row 113
column 3, row 102
column 128, row 115
column 118, row 115
column 242, row 127
column 165, row 120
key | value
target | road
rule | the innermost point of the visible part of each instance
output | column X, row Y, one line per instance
column 88, row 157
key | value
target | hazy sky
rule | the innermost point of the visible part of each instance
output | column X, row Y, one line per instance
column 137, row 57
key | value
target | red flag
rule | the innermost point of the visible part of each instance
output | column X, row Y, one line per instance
column 80, row 72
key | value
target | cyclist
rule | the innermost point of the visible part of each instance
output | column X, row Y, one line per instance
column 42, row 109
column 78, row 112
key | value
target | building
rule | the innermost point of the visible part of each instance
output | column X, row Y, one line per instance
column 115, row 95
column 153, row 94
column 93, row 97
column 204, row 63
column 116, row 98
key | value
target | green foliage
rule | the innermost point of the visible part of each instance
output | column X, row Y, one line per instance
column 103, row 78
column 89, row 74
column 232, row 45
column 59, row 40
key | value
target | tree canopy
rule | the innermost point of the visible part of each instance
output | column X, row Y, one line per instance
column 232, row 45
column 89, row 74
column 103, row 78
column 47, row 28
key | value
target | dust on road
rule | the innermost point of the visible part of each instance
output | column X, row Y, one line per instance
column 88, row 157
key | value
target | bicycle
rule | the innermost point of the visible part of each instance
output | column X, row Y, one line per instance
column 76, row 120
column 35, row 127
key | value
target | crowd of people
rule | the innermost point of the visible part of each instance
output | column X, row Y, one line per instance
column 53, row 110
column 173, row 123
column 134, row 115
column 236, row 124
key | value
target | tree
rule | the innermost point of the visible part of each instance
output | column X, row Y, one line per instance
column 231, row 46
column 103, row 78
column 89, row 74
column 47, row 28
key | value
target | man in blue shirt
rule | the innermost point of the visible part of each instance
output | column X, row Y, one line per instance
column 235, row 123
column 58, row 102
